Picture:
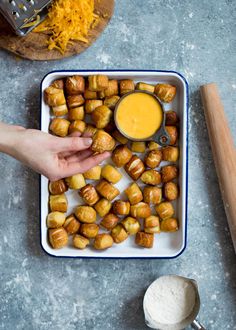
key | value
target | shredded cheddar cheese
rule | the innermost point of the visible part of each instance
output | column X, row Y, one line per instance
column 68, row 21
column 31, row 23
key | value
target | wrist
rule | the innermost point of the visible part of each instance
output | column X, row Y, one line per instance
column 9, row 137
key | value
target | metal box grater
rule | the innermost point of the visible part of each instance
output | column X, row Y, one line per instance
column 20, row 12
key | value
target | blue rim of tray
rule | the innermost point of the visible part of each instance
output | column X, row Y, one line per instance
column 186, row 183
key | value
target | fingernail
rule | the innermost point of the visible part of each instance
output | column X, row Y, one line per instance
column 88, row 142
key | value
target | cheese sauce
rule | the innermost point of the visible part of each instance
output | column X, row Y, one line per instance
column 139, row 115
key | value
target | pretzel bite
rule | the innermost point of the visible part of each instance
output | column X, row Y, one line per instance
column 85, row 214
column 165, row 210
column 58, row 237
column 103, row 241
column 121, row 155
column 168, row 173
column 170, row 154
column 111, row 174
column 126, row 86
column 101, row 116
column 152, row 195
column 59, row 83
column 172, row 118
column 103, row 207
column 89, row 194
column 97, row 83
column 57, row 187
column 107, row 190
column 145, row 87
column 131, row 225
column 90, row 130
column 91, row 105
column 121, row 207
column 153, row 158
column 140, row 210
column 152, row 225
column 169, row 225
column 135, row 167
column 112, row 88
column 80, row 242
column 75, row 85
column 58, row 203
column 71, row 224
column 60, row 110
column 89, row 95
column 101, row 94
column 134, row 193
column 89, row 230
column 77, row 126
column 94, row 173
column 76, row 113
column 139, row 147
column 144, row 239
column 109, row 221
column 170, row 191
column 76, row 181
column 111, row 101
column 102, row 141
column 173, row 134
column 54, row 96
column 74, row 101
column 151, row 177
column 152, row 145
column 59, row 126
column 165, row 92
column 119, row 234
column 119, row 137
column 55, row 219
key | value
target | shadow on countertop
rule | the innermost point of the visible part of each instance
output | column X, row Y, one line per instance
column 33, row 180
column 132, row 313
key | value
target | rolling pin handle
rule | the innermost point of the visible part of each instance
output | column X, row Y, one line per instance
column 223, row 150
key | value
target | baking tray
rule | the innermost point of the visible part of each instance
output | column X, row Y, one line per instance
column 167, row 245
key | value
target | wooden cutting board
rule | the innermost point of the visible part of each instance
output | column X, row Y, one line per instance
column 34, row 47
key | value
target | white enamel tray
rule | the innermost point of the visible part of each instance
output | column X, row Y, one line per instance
column 167, row 245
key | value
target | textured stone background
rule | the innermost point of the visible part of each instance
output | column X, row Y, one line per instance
column 197, row 38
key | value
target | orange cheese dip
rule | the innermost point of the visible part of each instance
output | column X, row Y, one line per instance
column 139, row 115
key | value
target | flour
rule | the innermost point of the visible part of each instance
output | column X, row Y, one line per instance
column 169, row 300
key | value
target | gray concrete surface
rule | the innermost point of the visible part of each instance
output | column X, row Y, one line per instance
column 37, row 292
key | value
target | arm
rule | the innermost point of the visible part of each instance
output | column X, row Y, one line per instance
column 49, row 155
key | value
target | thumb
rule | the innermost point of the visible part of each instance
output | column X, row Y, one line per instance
column 72, row 143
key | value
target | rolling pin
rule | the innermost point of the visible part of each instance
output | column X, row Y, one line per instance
column 223, row 150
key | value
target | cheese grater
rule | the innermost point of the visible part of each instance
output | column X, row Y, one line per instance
column 24, row 15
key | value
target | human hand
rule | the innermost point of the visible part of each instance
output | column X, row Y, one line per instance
column 52, row 156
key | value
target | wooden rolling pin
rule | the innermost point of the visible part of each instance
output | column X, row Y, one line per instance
column 223, row 150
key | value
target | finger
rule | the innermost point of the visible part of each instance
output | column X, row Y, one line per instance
column 87, row 134
column 67, row 154
column 70, row 153
column 75, row 134
column 71, row 144
column 84, row 165
column 79, row 156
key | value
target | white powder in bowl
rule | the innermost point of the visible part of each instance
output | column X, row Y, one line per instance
column 169, row 300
